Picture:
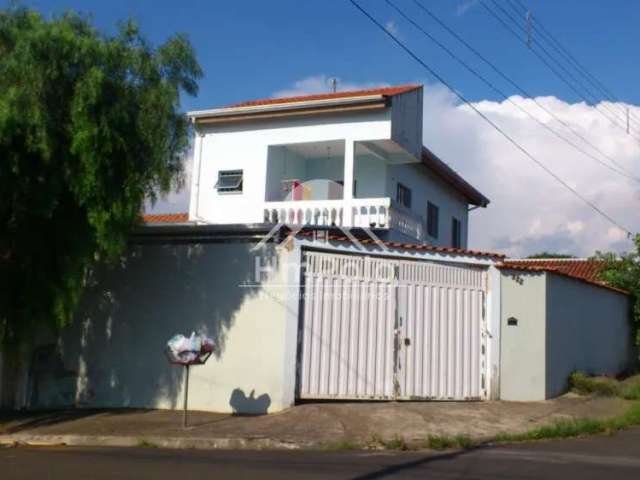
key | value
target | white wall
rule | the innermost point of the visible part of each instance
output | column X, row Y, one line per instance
column 245, row 146
column 588, row 330
column 522, row 352
column 370, row 173
column 112, row 356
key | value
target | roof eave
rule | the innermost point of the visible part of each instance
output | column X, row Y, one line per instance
column 283, row 107
column 453, row 178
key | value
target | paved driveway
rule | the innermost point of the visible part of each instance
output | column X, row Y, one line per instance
column 321, row 423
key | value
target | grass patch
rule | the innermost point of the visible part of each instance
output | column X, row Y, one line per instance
column 586, row 385
column 344, row 444
column 630, row 389
column 143, row 443
column 396, row 443
column 575, row 428
column 444, row 442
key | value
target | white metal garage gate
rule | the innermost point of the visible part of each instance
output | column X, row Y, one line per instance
column 376, row 328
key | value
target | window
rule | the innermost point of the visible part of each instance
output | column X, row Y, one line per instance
column 229, row 181
column 456, row 233
column 433, row 213
column 403, row 196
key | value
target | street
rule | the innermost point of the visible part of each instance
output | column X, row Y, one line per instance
column 612, row 457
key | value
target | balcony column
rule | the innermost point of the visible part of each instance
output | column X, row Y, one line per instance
column 349, row 160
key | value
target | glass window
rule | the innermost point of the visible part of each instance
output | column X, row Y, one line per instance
column 229, row 181
column 403, row 195
column 456, row 233
column 433, row 220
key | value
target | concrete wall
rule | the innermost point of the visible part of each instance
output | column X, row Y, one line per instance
column 522, row 352
column 563, row 325
column 588, row 330
column 113, row 354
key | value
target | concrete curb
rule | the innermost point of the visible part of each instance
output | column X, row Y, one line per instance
column 208, row 443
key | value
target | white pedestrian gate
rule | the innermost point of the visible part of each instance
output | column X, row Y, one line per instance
column 377, row 328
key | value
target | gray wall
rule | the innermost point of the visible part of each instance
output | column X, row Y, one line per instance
column 588, row 329
column 564, row 325
column 522, row 348
column 428, row 187
column 113, row 353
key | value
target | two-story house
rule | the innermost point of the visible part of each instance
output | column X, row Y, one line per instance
column 322, row 314
column 347, row 159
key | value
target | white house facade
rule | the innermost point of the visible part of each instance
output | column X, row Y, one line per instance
column 325, row 252
column 352, row 160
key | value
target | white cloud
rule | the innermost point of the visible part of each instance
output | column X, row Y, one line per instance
column 529, row 210
column 322, row 84
column 465, row 6
column 392, row 28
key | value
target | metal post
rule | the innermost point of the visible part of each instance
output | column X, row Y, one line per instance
column 186, row 395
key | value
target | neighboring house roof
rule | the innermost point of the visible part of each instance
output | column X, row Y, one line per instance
column 373, row 98
column 384, row 91
column 165, row 218
column 585, row 269
column 453, row 178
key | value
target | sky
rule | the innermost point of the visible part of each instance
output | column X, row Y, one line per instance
column 255, row 49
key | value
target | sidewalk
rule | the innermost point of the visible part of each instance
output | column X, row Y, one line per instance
column 314, row 425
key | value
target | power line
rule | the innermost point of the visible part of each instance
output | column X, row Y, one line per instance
column 531, row 40
column 621, row 169
column 554, row 43
column 438, row 77
column 578, row 85
column 546, row 62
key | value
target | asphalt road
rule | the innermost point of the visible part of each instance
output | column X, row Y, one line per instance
column 609, row 458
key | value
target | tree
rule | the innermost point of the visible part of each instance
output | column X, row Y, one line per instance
column 623, row 271
column 543, row 255
column 89, row 128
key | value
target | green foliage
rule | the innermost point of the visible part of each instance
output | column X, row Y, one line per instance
column 144, row 443
column 444, row 442
column 396, row 443
column 624, row 272
column 89, row 128
column 585, row 385
column 342, row 444
column 551, row 255
column 630, row 389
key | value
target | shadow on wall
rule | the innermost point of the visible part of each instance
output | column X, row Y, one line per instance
column 242, row 404
column 113, row 353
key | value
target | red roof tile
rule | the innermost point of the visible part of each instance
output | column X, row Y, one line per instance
column 411, row 246
column 386, row 91
column 166, row 218
column 582, row 269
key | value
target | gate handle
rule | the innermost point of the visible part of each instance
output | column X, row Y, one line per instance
column 407, row 342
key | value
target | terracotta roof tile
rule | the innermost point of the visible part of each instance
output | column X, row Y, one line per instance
column 412, row 246
column 166, row 218
column 587, row 270
column 386, row 91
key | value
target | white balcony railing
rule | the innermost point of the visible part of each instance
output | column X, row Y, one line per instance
column 358, row 212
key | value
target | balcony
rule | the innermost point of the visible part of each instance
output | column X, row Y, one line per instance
column 337, row 183
column 379, row 213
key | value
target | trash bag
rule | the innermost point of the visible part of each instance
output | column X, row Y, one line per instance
column 189, row 350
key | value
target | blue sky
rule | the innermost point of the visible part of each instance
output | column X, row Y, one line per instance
column 251, row 49
column 255, row 49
